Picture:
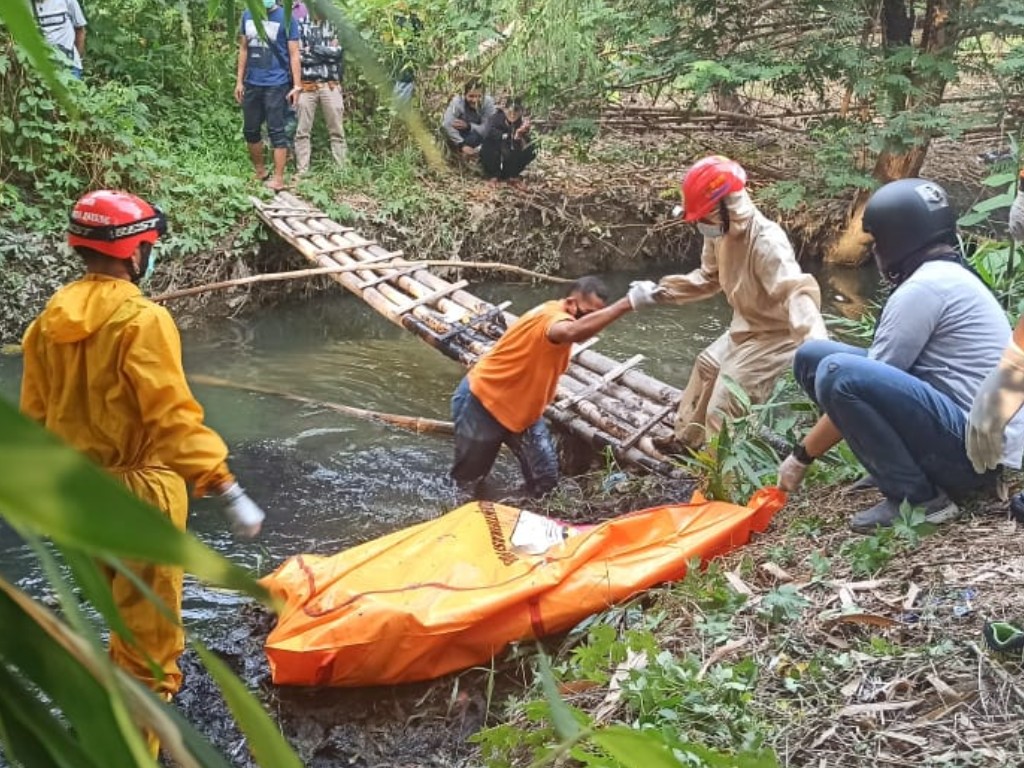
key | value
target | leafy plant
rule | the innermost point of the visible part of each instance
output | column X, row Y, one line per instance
column 870, row 554
column 65, row 703
column 559, row 730
column 782, row 604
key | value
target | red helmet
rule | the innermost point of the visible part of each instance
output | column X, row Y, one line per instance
column 114, row 223
column 707, row 182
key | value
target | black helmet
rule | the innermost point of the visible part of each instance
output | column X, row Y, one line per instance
column 906, row 216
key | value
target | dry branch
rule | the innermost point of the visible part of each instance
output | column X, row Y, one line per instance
column 396, row 265
column 416, row 424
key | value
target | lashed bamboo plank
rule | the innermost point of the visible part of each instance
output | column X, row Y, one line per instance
column 432, row 297
column 627, row 418
column 605, row 379
column 390, row 275
column 649, row 425
column 617, row 391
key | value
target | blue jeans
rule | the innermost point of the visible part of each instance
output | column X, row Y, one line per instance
column 906, row 433
column 479, row 436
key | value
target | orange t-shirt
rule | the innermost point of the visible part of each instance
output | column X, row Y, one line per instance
column 517, row 378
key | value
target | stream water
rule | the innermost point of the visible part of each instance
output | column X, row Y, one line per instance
column 328, row 481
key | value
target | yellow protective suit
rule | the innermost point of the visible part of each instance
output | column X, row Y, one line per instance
column 776, row 307
column 103, row 371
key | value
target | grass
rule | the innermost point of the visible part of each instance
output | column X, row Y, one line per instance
column 797, row 644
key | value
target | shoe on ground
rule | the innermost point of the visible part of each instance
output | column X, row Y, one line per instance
column 865, row 483
column 939, row 510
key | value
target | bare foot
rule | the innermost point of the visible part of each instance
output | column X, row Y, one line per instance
column 275, row 184
column 261, row 174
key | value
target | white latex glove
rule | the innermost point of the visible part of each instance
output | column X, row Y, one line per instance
column 243, row 513
column 998, row 399
column 642, row 294
column 791, row 473
column 1017, row 216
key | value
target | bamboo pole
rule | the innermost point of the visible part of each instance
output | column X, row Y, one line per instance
column 417, row 424
column 295, row 274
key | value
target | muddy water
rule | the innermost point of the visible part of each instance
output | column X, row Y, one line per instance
column 328, row 481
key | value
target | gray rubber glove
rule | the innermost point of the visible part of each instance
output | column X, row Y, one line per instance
column 791, row 473
column 243, row 513
column 1017, row 216
column 642, row 294
column 998, row 399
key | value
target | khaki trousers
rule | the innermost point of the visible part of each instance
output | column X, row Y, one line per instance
column 754, row 363
column 329, row 97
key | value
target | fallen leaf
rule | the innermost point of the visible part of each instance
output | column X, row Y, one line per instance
column 855, row 710
column 871, row 619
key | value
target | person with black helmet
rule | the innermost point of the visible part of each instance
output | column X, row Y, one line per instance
column 902, row 404
column 103, row 372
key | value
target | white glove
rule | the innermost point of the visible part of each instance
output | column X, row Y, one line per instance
column 997, row 401
column 642, row 294
column 245, row 516
column 1017, row 216
column 791, row 473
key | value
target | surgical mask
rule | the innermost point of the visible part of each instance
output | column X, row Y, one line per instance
column 146, row 264
column 150, row 265
column 268, row 4
column 710, row 230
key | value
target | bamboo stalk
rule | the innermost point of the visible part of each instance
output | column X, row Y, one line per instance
column 417, row 424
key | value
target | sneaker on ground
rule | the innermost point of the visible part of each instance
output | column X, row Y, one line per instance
column 864, row 483
column 939, row 510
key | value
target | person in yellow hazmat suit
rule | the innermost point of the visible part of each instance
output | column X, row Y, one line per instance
column 103, row 371
column 776, row 306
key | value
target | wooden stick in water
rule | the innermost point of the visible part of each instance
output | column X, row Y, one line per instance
column 416, row 424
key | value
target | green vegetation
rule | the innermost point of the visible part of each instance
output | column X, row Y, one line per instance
column 64, row 701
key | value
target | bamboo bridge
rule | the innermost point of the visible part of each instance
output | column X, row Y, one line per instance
column 606, row 403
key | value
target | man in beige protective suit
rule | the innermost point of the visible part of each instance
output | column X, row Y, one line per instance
column 776, row 306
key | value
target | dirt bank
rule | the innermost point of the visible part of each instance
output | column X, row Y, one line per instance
column 603, row 207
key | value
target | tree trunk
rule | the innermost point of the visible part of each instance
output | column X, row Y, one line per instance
column 903, row 159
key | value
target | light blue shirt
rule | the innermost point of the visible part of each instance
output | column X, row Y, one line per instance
column 944, row 326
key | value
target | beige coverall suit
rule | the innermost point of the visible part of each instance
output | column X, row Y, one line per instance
column 776, row 307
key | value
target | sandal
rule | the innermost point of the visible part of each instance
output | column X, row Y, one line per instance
column 1003, row 636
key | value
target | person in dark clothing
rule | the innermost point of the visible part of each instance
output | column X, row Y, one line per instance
column 465, row 119
column 508, row 146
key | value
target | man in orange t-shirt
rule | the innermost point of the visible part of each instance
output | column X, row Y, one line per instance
column 503, row 397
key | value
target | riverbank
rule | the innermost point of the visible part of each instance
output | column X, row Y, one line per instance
column 585, row 207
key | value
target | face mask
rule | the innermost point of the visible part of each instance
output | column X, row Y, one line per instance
column 710, row 230
column 147, row 261
column 268, row 4
column 150, row 265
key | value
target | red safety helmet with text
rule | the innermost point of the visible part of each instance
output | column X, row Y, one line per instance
column 114, row 223
column 708, row 182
